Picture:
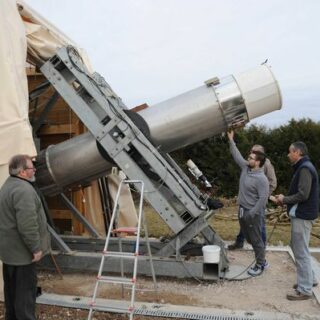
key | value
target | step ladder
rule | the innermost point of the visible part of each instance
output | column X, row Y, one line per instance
column 122, row 279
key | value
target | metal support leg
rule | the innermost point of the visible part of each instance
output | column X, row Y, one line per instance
column 184, row 236
column 47, row 109
column 213, row 238
column 79, row 216
column 62, row 245
column 150, row 254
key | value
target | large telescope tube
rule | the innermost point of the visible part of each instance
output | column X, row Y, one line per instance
column 213, row 108
column 175, row 123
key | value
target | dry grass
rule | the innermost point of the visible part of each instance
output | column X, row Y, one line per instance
column 225, row 223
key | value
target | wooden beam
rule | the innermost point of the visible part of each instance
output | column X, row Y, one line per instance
column 61, row 214
column 77, row 199
column 57, row 129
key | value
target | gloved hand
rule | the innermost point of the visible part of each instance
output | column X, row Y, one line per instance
column 214, row 204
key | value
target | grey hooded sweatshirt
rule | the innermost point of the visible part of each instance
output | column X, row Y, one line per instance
column 253, row 185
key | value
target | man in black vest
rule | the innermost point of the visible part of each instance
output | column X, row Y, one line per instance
column 303, row 206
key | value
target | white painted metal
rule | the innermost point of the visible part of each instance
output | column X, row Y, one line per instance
column 199, row 114
column 260, row 91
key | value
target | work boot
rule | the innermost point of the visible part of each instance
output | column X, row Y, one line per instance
column 297, row 296
column 235, row 246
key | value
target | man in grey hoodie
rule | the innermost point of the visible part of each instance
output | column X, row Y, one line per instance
column 271, row 176
column 252, row 199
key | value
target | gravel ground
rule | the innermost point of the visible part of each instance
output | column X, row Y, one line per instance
column 263, row 293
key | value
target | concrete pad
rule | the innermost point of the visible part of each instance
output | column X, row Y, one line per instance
column 166, row 310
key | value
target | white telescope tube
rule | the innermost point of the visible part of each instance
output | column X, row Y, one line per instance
column 188, row 118
column 213, row 108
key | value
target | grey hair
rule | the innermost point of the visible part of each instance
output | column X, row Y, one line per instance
column 18, row 163
column 258, row 147
column 301, row 146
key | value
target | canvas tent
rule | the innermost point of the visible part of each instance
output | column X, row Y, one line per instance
column 28, row 37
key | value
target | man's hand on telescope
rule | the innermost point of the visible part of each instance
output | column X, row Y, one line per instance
column 230, row 135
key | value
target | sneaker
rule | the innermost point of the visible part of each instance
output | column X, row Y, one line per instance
column 256, row 270
column 295, row 286
column 235, row 246
column 297, row 296
column 265, row 265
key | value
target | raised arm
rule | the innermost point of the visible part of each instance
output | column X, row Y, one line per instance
column 237, row 157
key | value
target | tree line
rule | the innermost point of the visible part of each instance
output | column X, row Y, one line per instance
column 213, row 157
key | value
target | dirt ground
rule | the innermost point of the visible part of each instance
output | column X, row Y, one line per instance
column 263, row 293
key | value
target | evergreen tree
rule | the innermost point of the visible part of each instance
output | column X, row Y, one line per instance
column 213, row 158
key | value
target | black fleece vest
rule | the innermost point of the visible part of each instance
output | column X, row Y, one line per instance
column 309, row 209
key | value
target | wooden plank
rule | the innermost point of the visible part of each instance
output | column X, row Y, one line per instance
column 93, row 209
column 77, row 200
column 61, row 214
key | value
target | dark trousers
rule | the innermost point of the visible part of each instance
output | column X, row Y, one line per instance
column 240, row 237
column 251, row 227
column 20, row 286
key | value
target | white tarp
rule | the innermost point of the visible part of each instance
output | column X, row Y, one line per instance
column 15, row 130
column 24, row 33
column 43, row 38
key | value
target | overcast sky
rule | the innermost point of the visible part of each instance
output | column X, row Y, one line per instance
column 152, row 50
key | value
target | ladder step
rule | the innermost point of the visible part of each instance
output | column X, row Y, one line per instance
column 120, row 280
column 117, row 254
column 108, row 308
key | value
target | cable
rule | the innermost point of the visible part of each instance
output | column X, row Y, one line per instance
column 268, row 240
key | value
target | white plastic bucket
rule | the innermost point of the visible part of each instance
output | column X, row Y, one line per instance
column 211, row 254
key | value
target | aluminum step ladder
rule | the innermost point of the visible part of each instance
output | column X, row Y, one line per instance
column 122, row 279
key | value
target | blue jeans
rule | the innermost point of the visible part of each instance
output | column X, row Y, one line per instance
column 240, row 236
column 300, row 237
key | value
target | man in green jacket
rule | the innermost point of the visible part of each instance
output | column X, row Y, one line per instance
column 24, row 238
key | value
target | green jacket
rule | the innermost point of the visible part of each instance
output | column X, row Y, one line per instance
column 23, row 223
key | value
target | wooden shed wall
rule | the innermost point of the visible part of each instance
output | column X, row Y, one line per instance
column 62, row 124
